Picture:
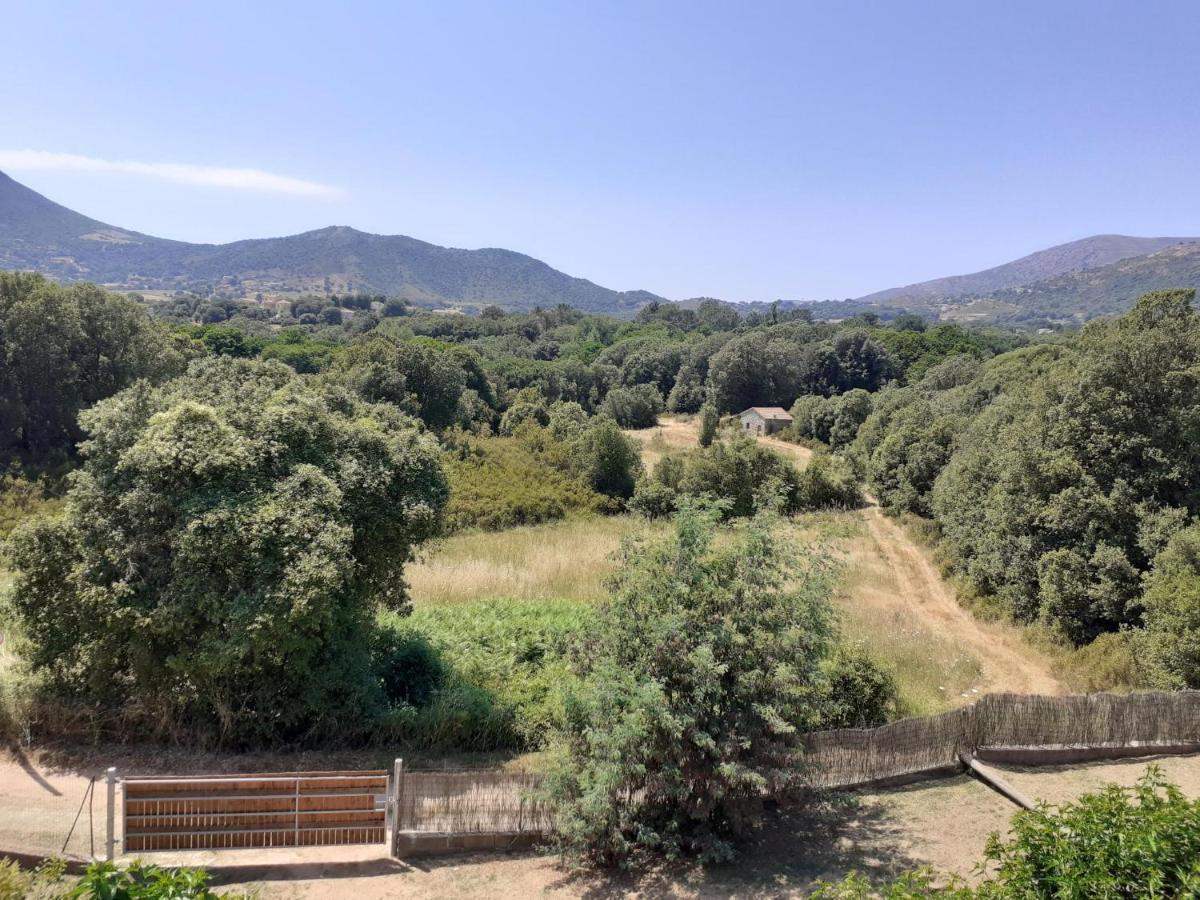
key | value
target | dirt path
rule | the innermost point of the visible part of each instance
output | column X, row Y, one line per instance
column 1008, row 662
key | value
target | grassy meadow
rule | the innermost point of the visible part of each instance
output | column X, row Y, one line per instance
column 568, row 559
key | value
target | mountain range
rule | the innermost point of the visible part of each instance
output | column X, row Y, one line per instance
column 1068, row 283
column 37, row 233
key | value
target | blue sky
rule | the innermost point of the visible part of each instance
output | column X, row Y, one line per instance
column 743, row 150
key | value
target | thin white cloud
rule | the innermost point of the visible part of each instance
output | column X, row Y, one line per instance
column 203, row 176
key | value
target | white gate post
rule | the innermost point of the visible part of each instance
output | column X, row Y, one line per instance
column 110, row 832
column 397, row 793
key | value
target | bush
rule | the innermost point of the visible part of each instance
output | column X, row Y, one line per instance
column 21, row 500
column 858, row 692
column 743, row 473
column 1118, row 842
column 501, row 482
column 634, row 407
column 827, row 482
column 830, row 420
column 654, row 500
column 606, row 459
column 697, row 679
column 409, row 667
column 528, row 406
column 709, row 420
column 747, row 476
column 222, row 552
column 43, row 883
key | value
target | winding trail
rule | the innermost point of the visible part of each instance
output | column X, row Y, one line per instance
column 1008, row 662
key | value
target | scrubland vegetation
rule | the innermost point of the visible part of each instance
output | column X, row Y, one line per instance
column 475, row 533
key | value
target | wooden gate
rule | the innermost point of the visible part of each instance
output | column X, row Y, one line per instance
column 290, row 809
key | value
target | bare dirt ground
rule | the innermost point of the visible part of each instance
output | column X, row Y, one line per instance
column 1059, row 784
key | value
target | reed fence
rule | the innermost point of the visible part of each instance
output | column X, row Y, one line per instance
column 482, row 802
column 436, row 811
column 853, row 757
column 472, row 802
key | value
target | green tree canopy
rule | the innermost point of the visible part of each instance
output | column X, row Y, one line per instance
column 223, row 551
column 61, row 350
column 1057, row 495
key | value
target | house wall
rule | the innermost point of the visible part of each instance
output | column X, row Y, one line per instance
column 753, row 423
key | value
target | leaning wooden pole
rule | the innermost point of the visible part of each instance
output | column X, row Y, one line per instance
column 995, row 782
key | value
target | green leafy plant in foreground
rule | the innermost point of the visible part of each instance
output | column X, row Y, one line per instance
column 1140, row 841
column 105, row 881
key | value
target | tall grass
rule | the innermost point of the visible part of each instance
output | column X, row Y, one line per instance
column 558, row 560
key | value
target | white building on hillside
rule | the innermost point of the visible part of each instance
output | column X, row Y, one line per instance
column 764, row 419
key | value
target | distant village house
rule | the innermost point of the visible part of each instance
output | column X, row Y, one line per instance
column 765, row 419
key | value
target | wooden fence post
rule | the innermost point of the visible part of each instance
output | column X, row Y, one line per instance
column 110, row 821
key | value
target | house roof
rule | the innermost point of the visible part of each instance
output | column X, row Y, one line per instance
column 769, row 412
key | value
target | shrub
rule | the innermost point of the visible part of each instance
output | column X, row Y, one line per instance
column 501, row 482
column 747, row 476
column 409, row 667
column 528, row 406
column 43, row 883
column 654, row 500
column 605, row 459
column 827, row 482
column 740, row 471
column 634, row 407
column 222, row 552
column 21, row 500
column 697, row 679
column 830, row 420
column 858, row 692
column 1118, row 842
column 709, row 420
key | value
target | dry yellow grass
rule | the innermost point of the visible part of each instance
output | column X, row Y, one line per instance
column 559, row 560
column 672, row 434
